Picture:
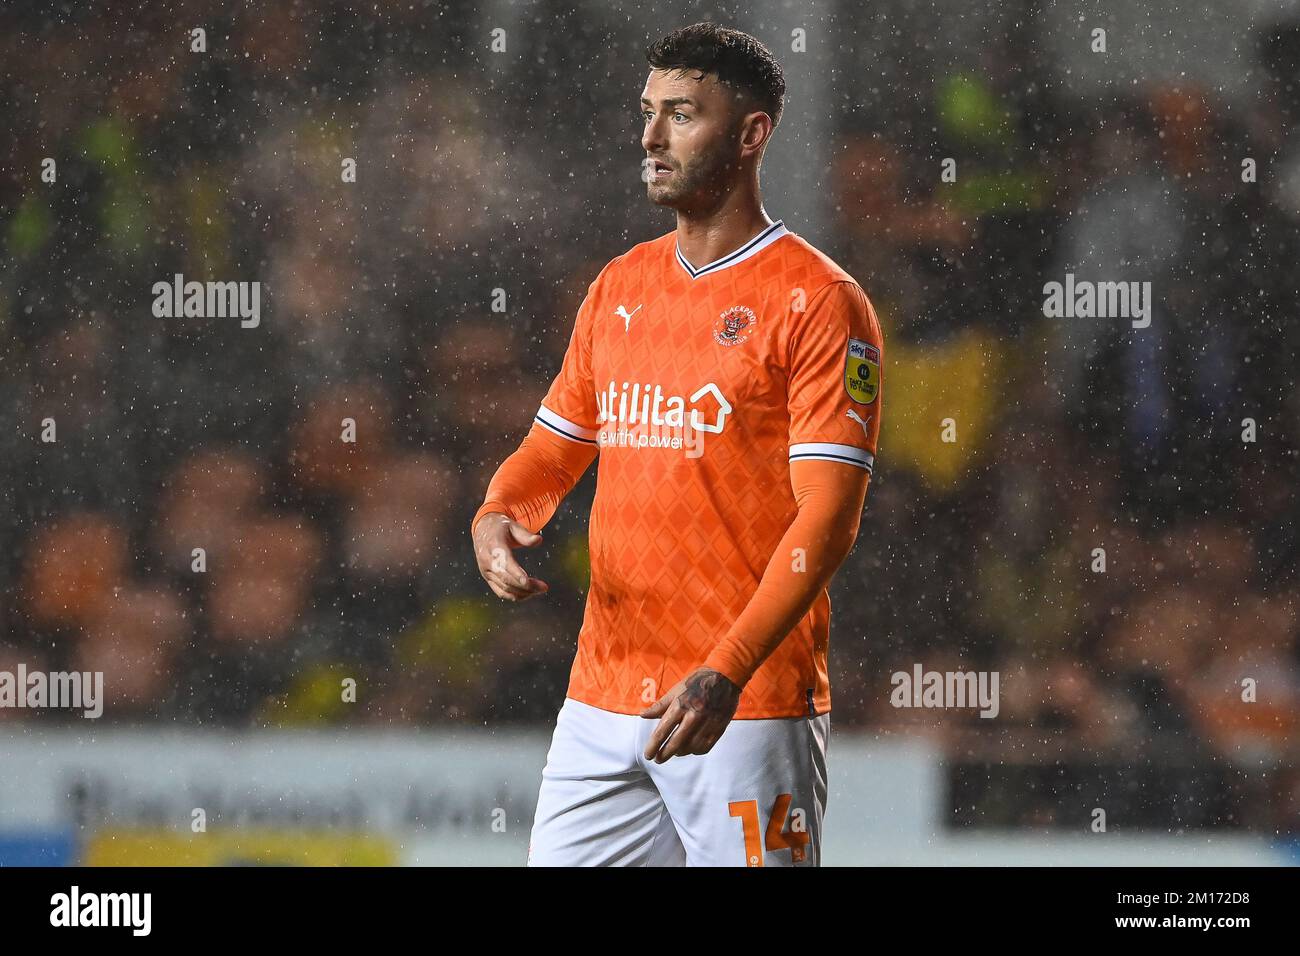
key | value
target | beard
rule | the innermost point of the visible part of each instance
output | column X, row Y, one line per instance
column 700, row 183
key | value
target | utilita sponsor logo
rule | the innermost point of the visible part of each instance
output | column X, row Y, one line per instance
column 642, row 415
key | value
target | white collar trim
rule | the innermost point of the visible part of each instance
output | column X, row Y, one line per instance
column 752, row 248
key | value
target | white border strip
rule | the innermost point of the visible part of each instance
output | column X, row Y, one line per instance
column 752, row 248
column 563, row 427
column 829, row 451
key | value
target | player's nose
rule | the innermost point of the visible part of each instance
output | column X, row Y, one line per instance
column 655, row 138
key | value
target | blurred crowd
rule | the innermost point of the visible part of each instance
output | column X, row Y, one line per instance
column 1114, row 528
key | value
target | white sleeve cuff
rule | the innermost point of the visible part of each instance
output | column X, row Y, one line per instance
column 563, row 427
column 830, row 451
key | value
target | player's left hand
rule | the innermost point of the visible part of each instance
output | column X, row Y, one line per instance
column 695, row 713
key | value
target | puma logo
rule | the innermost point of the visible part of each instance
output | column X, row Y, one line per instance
column 626, row 315
column 863, row 422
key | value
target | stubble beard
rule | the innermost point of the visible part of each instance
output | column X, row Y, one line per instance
column 699, row 184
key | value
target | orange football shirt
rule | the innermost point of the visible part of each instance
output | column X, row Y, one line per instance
column 698, row 386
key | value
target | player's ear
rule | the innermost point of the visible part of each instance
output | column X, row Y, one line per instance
column 755, row 130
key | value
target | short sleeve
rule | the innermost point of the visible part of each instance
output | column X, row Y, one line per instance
column 835, row 378
column 569, row 408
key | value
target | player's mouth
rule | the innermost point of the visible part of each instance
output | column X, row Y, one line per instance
column 659, row 170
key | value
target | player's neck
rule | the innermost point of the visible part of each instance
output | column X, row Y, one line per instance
column 705, row 237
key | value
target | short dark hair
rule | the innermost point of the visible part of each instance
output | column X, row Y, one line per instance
column 737, row 59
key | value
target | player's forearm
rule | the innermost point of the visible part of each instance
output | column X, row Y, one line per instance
column 532, row 482
column 830, row 497
column 781, row 600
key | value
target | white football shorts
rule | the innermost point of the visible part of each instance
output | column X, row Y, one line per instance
column 756, row 799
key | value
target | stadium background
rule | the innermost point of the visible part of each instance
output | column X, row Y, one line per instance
column 518, row 171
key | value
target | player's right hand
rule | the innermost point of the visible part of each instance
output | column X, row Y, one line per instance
column 495, row 536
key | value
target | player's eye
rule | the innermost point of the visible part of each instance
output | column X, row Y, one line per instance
column 681, row 116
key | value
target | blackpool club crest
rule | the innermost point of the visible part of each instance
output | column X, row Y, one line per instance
column 733, row 326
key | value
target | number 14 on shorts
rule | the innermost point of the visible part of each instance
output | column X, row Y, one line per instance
column 775, row 838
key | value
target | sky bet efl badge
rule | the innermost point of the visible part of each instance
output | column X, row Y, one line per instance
column 862, row 371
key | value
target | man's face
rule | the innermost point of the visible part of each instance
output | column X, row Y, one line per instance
column 691, row 138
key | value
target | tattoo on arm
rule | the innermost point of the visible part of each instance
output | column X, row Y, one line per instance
column 707, row 692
